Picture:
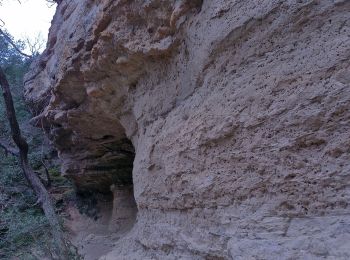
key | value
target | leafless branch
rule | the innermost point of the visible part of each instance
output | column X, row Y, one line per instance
column 9, row 40
column 35, row 44
column 48, row 183
column 8, row 148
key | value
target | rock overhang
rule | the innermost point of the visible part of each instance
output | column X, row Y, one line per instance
column 233, row 110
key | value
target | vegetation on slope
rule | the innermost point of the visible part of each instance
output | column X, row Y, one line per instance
column 24, row 230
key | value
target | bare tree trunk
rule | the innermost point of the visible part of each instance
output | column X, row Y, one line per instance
column 40, row 190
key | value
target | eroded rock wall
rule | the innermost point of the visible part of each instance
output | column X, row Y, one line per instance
column 237, row 113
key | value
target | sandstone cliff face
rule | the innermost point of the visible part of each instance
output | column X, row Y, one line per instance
column 232, row 115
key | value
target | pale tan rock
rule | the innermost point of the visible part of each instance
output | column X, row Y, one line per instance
column 124, row 208
column 237, row 111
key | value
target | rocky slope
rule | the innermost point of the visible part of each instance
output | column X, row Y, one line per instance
column 230, row 118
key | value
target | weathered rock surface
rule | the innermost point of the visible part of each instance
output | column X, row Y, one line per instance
column 237, row 112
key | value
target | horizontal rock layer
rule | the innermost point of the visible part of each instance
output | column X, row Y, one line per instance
column 237, row 114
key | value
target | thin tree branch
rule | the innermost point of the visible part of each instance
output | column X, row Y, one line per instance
column 42, row 157
column 9, row 40
column 9, row 149
column 48, row 184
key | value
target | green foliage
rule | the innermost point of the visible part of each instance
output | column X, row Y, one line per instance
column 13, row 63
column 14, row 66
column 22, row 222
column 24, row 230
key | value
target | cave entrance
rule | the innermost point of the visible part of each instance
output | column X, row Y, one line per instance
column 104, row 198
column 107, row 195
column 124, row 208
